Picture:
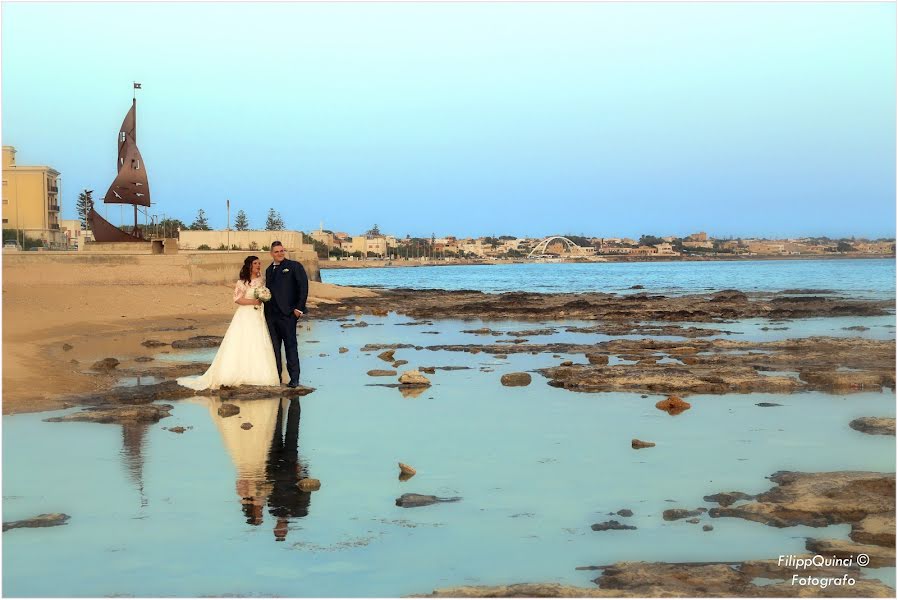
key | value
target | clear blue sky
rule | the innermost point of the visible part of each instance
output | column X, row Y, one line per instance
column 472, row 119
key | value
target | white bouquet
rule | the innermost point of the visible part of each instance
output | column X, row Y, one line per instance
column 263, row 294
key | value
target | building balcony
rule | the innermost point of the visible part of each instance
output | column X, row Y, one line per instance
column 53, row 189
column 54, row 226
column 53, row 208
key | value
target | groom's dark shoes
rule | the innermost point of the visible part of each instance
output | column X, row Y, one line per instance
column 292, row 384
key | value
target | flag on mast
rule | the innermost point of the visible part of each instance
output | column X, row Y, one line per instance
column 136, row 86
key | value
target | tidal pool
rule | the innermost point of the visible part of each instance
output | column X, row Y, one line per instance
column 216, row 510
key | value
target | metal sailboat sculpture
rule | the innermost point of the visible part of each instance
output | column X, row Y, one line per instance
column 129, row 187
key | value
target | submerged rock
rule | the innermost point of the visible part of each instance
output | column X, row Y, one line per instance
column 625, row 512
column 597, row 359
column 516, row 379
column 415, row 500
column 407, row 470
column 610, row 525
column 228, row 410
column 386, row 356
column 727, row 498
column 343, row 350
column 198, row 341
column 675, row 514
column 874, row 425
column 44, row 520
column 129, row 413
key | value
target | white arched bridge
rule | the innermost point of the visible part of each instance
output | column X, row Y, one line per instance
column 569, row 246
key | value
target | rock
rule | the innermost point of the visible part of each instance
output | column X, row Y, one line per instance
column 675, row 514
column 880, row 556
column 399, row 363
column 501, row 356
column 481, row 331
column 246, row 426
column 597, row 359
column 673, row 405
column 177, row 429
column 767, row 404
column 567, row 363
column 44, row 520
column 67, row 347
column 638, row 444
column 359, row 324
column 516, row 379
column 381, row 373
column 142, row 359
column 386, row 356
column 694, row 521
column 405, row 469
column 404, row 476
column 610, row 525
column 228, row 410
column 343, row 350
column 428, row 370
column 874, row 425
column 413, row 378
column 129, row 413
column 727, row 498
column 625, row 512
column 309, row 485
column 729, row 296
column 856, row 328
column 153, row 343
column 637, row 287
column 866, row 500
column 107, row 364
column 707, row 527
column 415, row 500
column 198, row 341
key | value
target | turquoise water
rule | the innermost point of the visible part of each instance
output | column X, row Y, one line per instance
column 873, row 278
column 157, row 513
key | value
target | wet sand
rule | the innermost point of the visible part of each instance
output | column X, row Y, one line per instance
column 41, row 322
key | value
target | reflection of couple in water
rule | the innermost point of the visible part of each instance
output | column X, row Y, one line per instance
column 267, row 459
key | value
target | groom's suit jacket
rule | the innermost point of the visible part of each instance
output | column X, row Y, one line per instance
column 289, row 286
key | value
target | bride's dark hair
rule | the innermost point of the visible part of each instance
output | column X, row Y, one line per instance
column 247, row 270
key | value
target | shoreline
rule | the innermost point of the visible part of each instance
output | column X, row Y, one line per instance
column 403, row 262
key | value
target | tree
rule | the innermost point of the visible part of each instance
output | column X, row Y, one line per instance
column 170, row 227
column 200, row 223
column 844, row 246
column 650, row 240
column 373, row 231
column 83, row 206
column 241, row 223
column 274, row 222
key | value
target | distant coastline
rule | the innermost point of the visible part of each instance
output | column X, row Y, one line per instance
column 402, row 262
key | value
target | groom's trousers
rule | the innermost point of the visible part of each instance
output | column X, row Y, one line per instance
column 283, row 331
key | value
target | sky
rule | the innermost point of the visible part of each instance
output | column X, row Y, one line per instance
column 526, row 119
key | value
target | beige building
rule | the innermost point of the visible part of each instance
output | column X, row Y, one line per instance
column 243, row 240
column 325, row 237
column 765, row 247
column 701, row 236
column 75, row 235
column 31, row 200
column 368, row 244
column 666, row 249
column 698, row 244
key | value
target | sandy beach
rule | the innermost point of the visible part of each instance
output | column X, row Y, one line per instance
column 41, row 321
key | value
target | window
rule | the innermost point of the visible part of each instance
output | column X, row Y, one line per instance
column 5, row 221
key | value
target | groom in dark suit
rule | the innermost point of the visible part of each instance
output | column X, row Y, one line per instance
column 289, row 286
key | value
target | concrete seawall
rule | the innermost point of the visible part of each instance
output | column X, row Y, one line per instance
column 83, row 268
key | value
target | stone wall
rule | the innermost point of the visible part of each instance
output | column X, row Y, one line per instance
column 184, row 268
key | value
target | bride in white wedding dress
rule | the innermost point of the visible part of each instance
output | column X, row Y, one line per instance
column 246, row 355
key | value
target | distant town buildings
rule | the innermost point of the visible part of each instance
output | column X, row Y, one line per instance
column 253, row 240
column 31, row 200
